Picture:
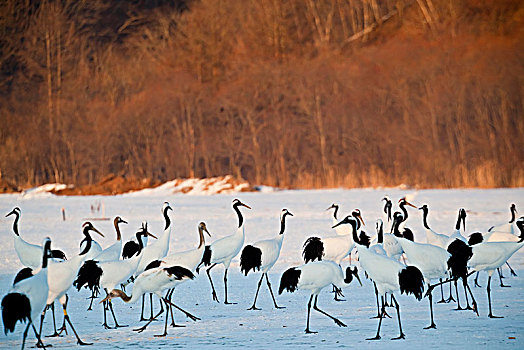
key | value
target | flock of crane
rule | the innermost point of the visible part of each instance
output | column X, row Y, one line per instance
column 391, row 259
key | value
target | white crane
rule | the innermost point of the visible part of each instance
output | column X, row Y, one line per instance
column 263, row 255
column 30, row 255
column 391, row 246
column 61, row 276
column 155, row 280
column 314, row 277
column 389, row 276
column 112, row 252
column 223, row 250
column 108, row 274
column 27, row 298
column 489, row 256
column 434, row 262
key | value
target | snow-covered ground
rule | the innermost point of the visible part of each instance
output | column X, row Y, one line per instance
column 233, row 325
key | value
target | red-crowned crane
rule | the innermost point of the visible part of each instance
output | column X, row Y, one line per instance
column 30, row 255
column 155, row 280
column 223, row 250
column 27, row 298
column 489, row 256
column 315, row 276
column 263, row 255
column 389, row 276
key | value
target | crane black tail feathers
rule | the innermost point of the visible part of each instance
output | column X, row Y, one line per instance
column 313, row 249
column 289, row 280
column 411, row 281
column 458, row 261
column 251, row 258
column 153, row 264
column 475, row 238
column 89, row 274
column 15, row 307
column 179, row 272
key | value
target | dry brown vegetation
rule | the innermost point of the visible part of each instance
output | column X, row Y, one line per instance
column 305, row 93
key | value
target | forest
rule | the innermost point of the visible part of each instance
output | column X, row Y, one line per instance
column 287, row 93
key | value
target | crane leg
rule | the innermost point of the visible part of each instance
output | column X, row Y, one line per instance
column 308, row 331
column 458, row 298
column 141, row 329
column 273, row 296
column 473, row 302
column 490, row 315
column 450, row 299
column 511, row 270
column 66, row 318
column 113, row 313
column 377, row 337
column 378, row 305
column 215, row 298
column 499, row 270
column 253, row 307
column 432, row 325
column 402, row 335
column 39, row 343
column 225, row 287
column 188, row 315
column 442, row 294
column 338, row 292
column 142, row 318
column 169, row 295
column 165, row 325
column 336, row 320
column 25, row 334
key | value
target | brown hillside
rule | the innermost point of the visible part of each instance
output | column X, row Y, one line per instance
column 296, row 94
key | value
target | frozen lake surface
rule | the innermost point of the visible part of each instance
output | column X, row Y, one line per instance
column 233, row 325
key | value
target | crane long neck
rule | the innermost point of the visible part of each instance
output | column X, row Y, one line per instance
column 520, row 225
column 425, row 218
column 387, row 209
column 202, row 239
column 47, row 248
column 354, row 232
column 88, row 242
column 140, row 242
column 395, row 229
column 513, row 212
column 283, row 224
column 404, row 211
column 117, row 229
column 457, row 225
column 380, row 234
column 336, row 211
column 240, row 217
column 15, row 224
column 166, row 218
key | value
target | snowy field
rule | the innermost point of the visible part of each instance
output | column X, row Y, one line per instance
column 232, row 325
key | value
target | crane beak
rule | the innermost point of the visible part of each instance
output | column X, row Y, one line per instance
column 340, row 223
column 361, row 220
column 205, row 229
column 151, row 235
column 123, row 221
column 10, row 213
column 411, row 205
column 289, row 213
column 245, row 205
column 94, row 229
